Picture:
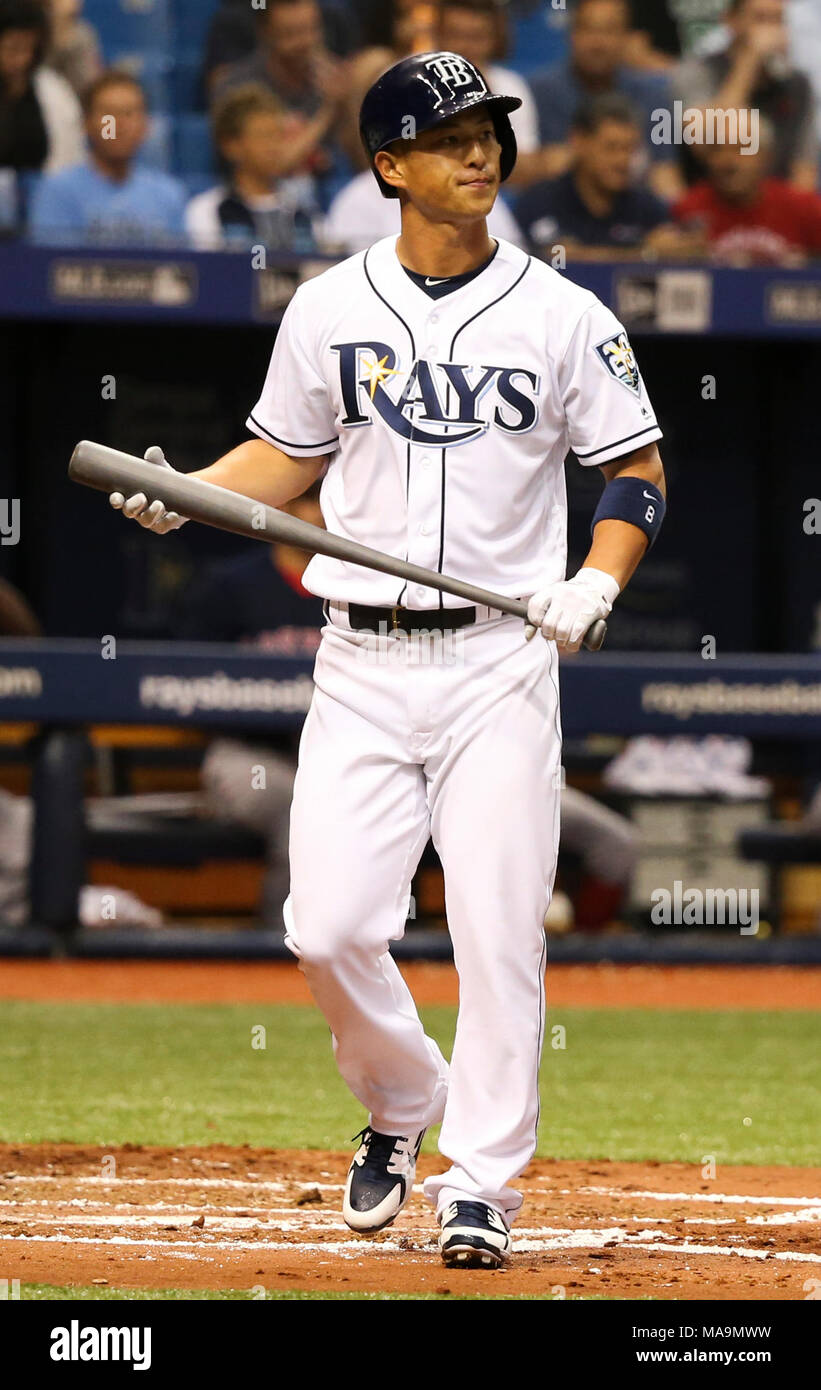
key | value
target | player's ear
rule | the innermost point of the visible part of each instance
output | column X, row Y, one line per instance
column 389, row 168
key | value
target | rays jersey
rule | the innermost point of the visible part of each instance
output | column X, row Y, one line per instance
column 448, row 420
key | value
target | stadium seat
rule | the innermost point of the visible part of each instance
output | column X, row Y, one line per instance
column 537, row 38
column 156, row 152
column 187, row 93
column 131, row 26
column 154, row 72
column 193, row 151
column 192, row 19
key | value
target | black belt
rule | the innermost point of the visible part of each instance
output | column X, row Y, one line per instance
column 363, row 616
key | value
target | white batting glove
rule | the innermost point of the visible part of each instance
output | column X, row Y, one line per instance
column 155, row 517
column 563, row 612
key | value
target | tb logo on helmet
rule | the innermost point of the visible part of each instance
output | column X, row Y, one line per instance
column 449, row 72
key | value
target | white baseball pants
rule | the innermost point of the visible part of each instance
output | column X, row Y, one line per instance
column 455, row 736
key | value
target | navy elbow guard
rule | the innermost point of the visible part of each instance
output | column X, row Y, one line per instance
column 633, row 500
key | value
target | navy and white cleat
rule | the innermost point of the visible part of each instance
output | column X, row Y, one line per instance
column 474, row 1236
column 380, row 1179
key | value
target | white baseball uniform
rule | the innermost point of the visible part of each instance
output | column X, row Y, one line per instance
column 448, row 421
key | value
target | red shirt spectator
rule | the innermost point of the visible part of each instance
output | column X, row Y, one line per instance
column 746, row 218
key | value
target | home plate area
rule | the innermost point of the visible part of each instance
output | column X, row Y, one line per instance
column 227, row 1218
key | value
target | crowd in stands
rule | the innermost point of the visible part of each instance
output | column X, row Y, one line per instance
column 648, row 128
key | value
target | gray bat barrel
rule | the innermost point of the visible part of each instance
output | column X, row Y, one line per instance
column 110, row 470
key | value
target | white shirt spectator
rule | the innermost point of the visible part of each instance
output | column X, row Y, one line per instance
column 63, row 119
column 525, row 121
column 205, row 228
column 359, row 216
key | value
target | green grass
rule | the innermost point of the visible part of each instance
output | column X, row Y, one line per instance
column 633, row 1084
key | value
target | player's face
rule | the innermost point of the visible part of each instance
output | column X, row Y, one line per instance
column 451, row 171
column 598, row 37
column 117, row 123
column 466, row 32
column 608, row 155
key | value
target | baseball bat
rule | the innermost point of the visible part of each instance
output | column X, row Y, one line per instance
column 109, row 470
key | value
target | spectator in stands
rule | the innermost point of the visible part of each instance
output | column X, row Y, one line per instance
column 597, row 65
column 74, row 48
column 595, row 209
column 363, row 70
column 41, row 124
column 478, row 30
column 746, row 217
column 664, row 30
column 260, row 144
column 804, row 23
column 17, row 617
column 258, row 600
column 752, row 68
column 292, row 60
column 234, row 35
column 108, row 199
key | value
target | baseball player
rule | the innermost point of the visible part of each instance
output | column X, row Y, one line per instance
column 445, row 376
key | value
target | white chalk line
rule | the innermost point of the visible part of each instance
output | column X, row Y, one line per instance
column 165, row 1216
column 351, row 1249
column 270, row 1185
column 730, row 1198
column 744, row 1252
column 257, row 1184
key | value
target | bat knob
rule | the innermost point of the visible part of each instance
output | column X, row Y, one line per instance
column 595, row 635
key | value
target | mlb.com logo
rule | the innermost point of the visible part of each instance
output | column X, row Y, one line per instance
column 449, row 73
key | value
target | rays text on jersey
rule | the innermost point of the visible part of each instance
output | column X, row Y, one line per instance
column 433, row 403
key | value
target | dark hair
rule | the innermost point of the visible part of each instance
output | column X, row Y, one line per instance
column 112, row 77
column 234, row 110
column 494, row 10
column 30, row 16
column 611, row 106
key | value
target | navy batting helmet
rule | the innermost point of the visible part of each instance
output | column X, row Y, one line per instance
column 420, row 92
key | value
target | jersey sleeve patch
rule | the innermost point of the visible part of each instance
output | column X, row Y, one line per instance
column 619, row 360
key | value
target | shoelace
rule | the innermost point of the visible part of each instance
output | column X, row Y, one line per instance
column 476, row 1213
column 380, row 1147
